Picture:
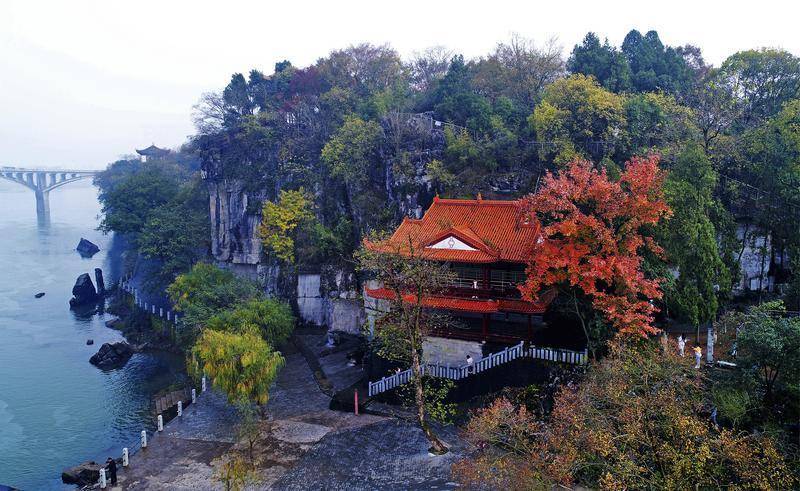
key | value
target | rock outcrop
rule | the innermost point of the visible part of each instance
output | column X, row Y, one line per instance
column 87, row 248
column 98, row 278
column 84, row 474
column 39, row 295
column 112, row 355
column 83, row 292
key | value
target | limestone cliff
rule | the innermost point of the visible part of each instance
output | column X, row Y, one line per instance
column 234, row 226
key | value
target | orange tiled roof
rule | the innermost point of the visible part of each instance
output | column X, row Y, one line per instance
column 466, row 304
column 493, row 228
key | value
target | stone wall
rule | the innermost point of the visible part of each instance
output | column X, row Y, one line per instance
column 451, row 352
column 330, row 303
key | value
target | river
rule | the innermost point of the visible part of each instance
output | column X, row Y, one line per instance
column 57, row 410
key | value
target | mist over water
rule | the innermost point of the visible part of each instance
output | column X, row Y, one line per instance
column 56, row 409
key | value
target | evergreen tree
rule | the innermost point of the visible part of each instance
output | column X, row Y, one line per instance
column 602, row 61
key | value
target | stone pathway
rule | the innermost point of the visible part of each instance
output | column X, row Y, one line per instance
column 304, row 445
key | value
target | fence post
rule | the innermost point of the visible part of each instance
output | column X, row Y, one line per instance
column 180, row 408
column 161, row 311
column 103, row 483
column 144, row 439
column 160, row 423
column 203, row 384
column 194, row 396
column 125, row 457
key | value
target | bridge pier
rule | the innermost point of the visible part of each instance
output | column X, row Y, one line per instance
column 42, row 205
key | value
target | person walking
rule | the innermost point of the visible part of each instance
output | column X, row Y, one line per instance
column 698, row 355
column 681, row 346
column 470, row 364
column 111, row 467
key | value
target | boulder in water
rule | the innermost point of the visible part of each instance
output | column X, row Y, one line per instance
column 39, row 295
column 84, row 474
column 89, row 342
column 83, row 292
column 112, row 355
column 101, row 285
column 87, row 248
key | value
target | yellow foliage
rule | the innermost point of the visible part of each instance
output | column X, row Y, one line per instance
column 279, row 221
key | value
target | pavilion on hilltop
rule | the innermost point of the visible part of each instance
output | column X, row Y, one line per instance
column 152, row 153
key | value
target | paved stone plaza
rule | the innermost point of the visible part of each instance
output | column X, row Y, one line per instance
column 304, row 445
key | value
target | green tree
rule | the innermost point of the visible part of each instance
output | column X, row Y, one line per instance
column 204, row 292
column 770, row 343
column 353, row 151
column 690, row 240
column 657, row 123
column 243, row 365
column 761, row 81
column 654, row 66
column 574, row 112
column 769, row 160
column 602, row 61
column 177, row 233
column 127, row 205
column 454, row 99
column 271, row 318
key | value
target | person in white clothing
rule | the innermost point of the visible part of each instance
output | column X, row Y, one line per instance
column 681, row 345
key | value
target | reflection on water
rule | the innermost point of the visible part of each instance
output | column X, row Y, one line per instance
column 57, row 410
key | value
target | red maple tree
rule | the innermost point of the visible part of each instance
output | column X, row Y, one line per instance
column 592, row 238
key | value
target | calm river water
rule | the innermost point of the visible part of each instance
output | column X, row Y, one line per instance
column 57, row 410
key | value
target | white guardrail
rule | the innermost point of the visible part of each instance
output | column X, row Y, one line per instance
column 485, row 363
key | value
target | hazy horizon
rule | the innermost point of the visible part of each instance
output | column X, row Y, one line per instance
column 87, row 82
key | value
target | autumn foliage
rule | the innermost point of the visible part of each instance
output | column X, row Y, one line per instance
column 638, row 421
column 593, row 237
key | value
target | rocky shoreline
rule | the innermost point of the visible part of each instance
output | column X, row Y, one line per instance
column 138, row 337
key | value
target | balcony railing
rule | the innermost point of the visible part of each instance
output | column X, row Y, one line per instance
column 461, row 290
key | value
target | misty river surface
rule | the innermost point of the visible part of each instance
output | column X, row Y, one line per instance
column 56, row 409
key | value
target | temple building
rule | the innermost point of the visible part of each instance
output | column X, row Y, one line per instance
column 487, row 244
column 152, row 153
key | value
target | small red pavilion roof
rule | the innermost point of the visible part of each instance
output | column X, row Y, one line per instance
column 466, row 230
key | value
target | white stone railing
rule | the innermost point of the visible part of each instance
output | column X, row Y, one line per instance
column 495, row 359
column 166, row 314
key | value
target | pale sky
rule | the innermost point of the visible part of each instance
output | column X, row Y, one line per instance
column 84, row 82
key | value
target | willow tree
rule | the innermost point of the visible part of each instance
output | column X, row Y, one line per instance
column 405, row 271
column 242, row 365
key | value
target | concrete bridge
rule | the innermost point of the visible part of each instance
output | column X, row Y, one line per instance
column 42, row 181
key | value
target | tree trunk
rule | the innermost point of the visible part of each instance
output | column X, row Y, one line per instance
column 437, row 446
column 589, row 345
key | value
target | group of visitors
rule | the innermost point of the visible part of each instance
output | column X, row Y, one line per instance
column 697, row 350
